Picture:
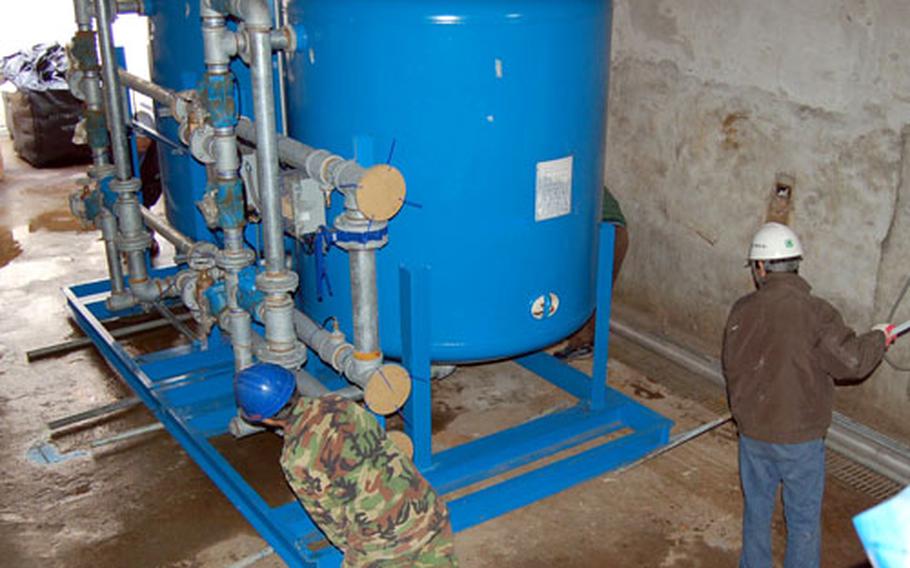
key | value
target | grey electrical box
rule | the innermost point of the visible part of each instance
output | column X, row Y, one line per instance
column 308, row 202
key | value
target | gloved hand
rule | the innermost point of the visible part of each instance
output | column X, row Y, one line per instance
column 887, row 329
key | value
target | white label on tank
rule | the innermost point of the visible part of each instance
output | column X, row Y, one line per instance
column 554, row 189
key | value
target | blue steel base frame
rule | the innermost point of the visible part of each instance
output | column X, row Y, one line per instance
column 189, row 389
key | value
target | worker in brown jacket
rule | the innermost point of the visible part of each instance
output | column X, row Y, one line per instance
column 783, row 349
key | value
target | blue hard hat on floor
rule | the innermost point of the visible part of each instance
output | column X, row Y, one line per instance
column 262, row 390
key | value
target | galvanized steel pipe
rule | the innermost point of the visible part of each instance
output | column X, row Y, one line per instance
column 320, row 165
column 266, row 150
column 180, row 241
column 114, row 268
column 364, row 302
column 112, row 92
column 161, row 94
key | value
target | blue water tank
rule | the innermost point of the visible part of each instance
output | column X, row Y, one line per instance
column 494, row 111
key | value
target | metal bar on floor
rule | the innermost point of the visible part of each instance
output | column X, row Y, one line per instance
column 127, row 435
column 677, row 441
column 94, row 413
column 860, row 443
column 81, row 342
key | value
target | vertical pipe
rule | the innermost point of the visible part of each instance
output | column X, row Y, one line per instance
column 112, row 92
column 224, row 177
column 267, row 149
column 278, row 8
column 364, row 302
column 114, row 268
column 91, row 85
column 133, row 239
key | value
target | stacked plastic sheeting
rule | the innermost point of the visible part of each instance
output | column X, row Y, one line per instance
column 41, row 68
column 885, row 532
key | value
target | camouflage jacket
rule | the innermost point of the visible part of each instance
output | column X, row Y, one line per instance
column 366, row 496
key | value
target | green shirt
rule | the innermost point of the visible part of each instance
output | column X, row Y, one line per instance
column 612, row 213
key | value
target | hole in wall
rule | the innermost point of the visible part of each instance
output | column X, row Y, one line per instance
column 780, row 205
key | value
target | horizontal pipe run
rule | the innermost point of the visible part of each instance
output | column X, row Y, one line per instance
column 161, row 94
column 320, row 165
column 309, row 386
column 148, row 132
column 180, row 241
column 178, row 324
column 861, row 444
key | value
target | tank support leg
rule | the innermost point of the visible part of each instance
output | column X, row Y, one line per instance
column 606, row 235
column 415, row 326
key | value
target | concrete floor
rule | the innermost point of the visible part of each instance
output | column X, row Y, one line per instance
column 144, row 503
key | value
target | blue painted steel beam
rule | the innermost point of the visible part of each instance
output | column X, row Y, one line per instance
column 515, row 447
column 606, row 237
column 560, row 375
column 415, row 329
column 548, row 480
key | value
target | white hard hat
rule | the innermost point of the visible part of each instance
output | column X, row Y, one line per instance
column 775, row 242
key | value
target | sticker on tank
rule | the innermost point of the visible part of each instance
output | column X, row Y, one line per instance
column 553, row 189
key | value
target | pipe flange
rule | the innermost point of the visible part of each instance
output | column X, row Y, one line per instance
column 235, row 260
column 277, row 282
column 133, row 243
column 101, row 171
column 364, row 234
column 132, row 185
column 202, row 256
column 200, row 143
column 336, row 359
column 292, row 359
column 371, row 244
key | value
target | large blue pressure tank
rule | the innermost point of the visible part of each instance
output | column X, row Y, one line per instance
column 494, row 111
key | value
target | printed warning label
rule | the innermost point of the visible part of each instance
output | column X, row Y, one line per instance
column 554, row 189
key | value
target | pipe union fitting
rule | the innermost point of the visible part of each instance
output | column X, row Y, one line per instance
column 277, row 283
column 235, row 260
column 126, row 186
column 292, row 359
column 133, row 243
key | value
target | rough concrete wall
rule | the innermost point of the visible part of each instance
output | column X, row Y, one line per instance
column 710, row 100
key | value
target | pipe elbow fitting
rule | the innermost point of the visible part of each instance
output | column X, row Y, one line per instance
column 152, row 290
column 255, row 13
column 121, row 301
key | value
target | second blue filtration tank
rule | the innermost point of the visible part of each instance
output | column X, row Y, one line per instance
column 494, row 111
column 177, row 63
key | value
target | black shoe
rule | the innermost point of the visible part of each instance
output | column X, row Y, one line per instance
column 572, row 352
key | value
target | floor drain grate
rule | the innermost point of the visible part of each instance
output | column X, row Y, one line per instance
column 860, row 477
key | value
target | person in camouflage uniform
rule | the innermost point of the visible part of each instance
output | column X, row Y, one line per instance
column 359, row 488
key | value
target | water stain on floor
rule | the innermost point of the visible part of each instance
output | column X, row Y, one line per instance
column 9, row 247
column 57, row 220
